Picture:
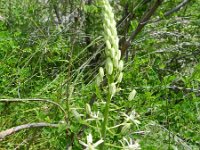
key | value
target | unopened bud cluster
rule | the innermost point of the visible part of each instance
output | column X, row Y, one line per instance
column 111, row 39
column 114, row 65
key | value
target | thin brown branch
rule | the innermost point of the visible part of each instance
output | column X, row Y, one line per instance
column 13, row 130
column 141, row 24
column 57, row 14
column 144, row 19
column 173, row 10
column 36, row 100
column 177, row 8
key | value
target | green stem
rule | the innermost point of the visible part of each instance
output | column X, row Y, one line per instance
column 105, row 121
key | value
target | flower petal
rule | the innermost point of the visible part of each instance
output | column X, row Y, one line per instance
column 97, row 143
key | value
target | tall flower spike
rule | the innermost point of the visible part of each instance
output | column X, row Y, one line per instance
column 110, row 31
column 112, row 60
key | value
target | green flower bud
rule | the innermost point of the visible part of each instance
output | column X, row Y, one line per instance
column 118, row 55
column 107, row 7
column 107, row 51
column 101, row 72
column 105, row 26
column 132, row 95
column 112, row 52
column 109, row 66
column 116, row 46
column 110, row 13
column 119, row 79
column 108, row 10
column 113, row 40
column 121, row 65
column 113, row 30
column 112, row 89
column 113, row 22
column 117, row 39
column 88, row 109
column 104, row 2
column 108, row 44
column 98, row 80
column 115, row 62
column 107, row 20
column 108, row 32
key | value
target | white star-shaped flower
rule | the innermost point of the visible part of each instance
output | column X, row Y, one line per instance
column 90, row 145
column 130, row 145
column 132, row 118
column 94, row 116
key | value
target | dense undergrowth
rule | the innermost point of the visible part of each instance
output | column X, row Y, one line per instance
column 39, row 59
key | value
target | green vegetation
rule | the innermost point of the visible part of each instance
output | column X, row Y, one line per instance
column 53, row 90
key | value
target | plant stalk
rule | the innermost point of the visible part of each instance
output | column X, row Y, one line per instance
column 105, row 121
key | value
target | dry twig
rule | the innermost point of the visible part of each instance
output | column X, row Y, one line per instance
column 13, row 130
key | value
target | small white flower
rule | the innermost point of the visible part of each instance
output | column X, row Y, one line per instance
column 89, row 145
column 130, row 145
column 132, row 118
column 95, row 115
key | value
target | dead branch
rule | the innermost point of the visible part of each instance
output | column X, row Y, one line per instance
column 140, row 26
column 57, row 14
column 13, row 130
column 177, row 8
column 146, row 19
column 173, row 10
